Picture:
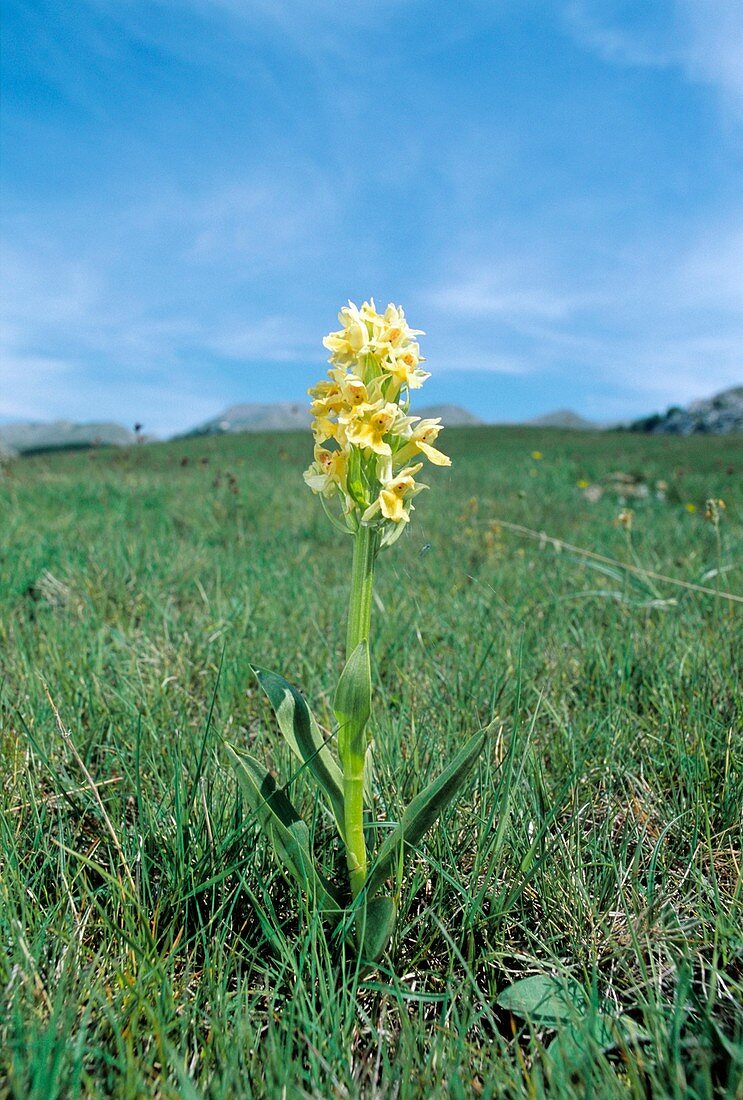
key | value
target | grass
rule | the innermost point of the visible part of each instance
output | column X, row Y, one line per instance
column 152, row 946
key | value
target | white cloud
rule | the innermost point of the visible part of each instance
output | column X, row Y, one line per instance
column 506, row 296
column 28, row 383
column 703, row 38
column 662, row 321
column 272, row 339
column 476, row 357
column 623, row 34
column 713, row 31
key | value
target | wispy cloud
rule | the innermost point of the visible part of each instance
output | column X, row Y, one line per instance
column 663, row 322
column 713, row 33
column 704, row 40
column 502, row 292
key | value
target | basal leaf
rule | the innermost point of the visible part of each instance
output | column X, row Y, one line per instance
column 424, row 810
column 301, row 732
column 287, row 832
column 598, row 1031
column 545, row 999
column 378, row 924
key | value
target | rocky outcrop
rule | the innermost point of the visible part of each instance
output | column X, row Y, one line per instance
column 718, row 415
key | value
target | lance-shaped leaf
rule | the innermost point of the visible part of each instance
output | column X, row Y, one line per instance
column 297, row 724
column 287, row 832
column 545, row 999
column 352, row 704
column 424, row 810
column 378, row 923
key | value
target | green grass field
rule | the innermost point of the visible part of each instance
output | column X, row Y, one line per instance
column 151, row 945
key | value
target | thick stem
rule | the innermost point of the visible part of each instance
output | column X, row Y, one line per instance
column 353, row 798
column 365, row 546
column 359, row 624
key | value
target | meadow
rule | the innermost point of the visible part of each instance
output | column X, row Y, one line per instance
column 152, row 946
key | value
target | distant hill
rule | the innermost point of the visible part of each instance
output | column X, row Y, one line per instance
column 282, row 416
column 718, row 415
column 60, row 435
column 452, row 416
column 563, row 418
column 287, row 416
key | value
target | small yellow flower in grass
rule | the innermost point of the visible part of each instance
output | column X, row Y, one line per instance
column 690, row 508
column 537, row 456
column 583, row 484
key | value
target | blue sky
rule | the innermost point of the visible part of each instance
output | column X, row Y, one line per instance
column 192, row 188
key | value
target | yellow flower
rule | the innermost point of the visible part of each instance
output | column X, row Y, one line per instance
column 423, row 435
column 351, row 342
column 583, row 484
column 403, row 365
column 327, row 398
column 394, row 330
column 690, row 508
column 324, row 429
column 369, row 340
column 537, row 456
column 368, row 430
column 363, row 436
column 327, row 472
column 395, row 496
column 355, row 393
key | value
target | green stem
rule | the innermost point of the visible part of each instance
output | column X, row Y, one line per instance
column 365, row 548
column 353, row 798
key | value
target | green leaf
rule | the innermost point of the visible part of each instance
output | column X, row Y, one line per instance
column 597, row 1032
column 300, row 730
column 545, row 999
column 378, row 924
column 424, row 810
column 285, row 829
column 352, row 703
